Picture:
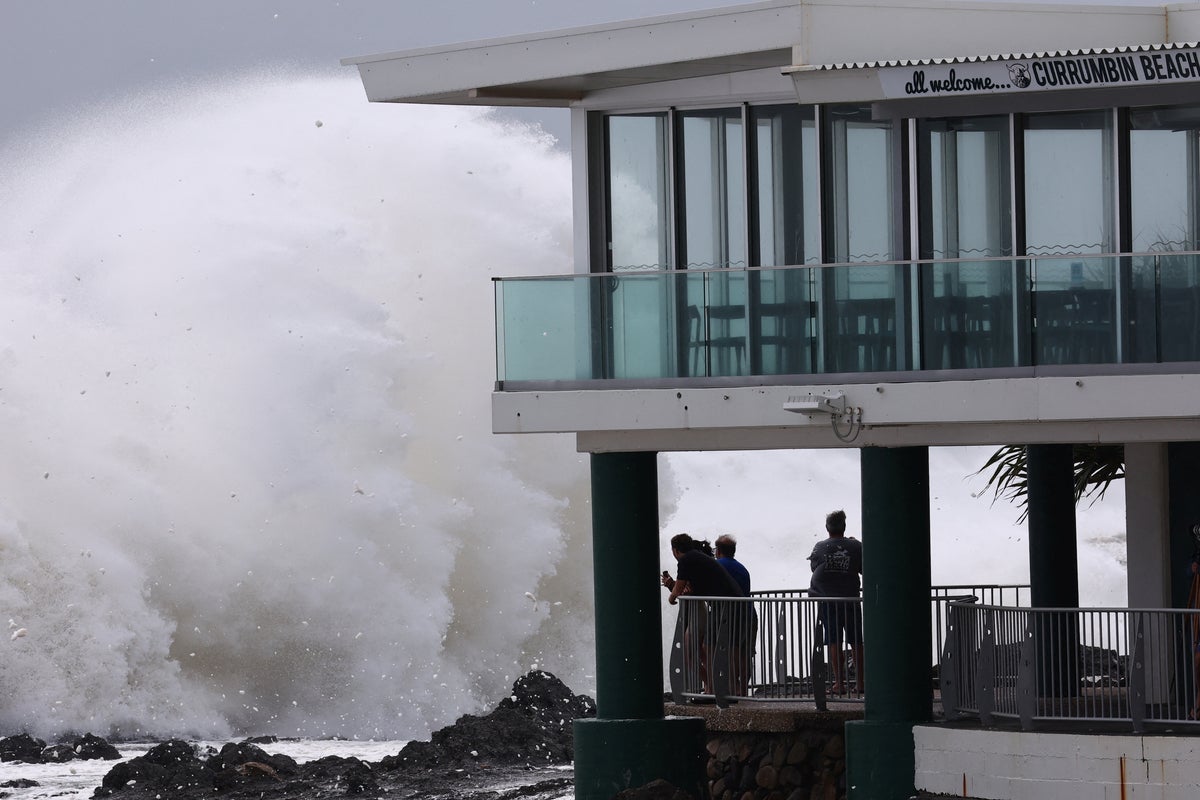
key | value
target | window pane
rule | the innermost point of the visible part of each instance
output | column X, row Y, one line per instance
column 639, row 202
column 1068, row 185
column 714, row 189
column 860, row 186
column 788, row 225
column 641, row 339
column 965, row 203
column 712, row 167
column 786, row 171
column 1163, row 178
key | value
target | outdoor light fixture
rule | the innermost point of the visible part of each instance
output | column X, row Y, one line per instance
column 833, row 404
column 816, row 404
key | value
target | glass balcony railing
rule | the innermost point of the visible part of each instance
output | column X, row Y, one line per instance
column 850, row 318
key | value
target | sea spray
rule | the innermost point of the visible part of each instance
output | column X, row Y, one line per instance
column 248, row 481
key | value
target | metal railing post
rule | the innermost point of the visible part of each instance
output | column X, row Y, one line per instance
column 675, row 665
column 718, row 663
column 985, row 671
column 1027, row 672
column 950, row 663
column 1135, row 679
column 781, row 647
column 818, row 666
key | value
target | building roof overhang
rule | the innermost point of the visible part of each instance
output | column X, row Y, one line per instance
column 560, row 67
column 834, row 50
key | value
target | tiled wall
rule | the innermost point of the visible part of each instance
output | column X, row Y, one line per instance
column 1011, row 765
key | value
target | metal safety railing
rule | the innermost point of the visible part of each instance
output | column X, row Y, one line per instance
column 772, row 645
column 1134, row 667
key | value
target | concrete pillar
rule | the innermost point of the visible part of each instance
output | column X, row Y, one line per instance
column 896, row 590
column 1148, row 552
column 1147, row 546
column 630, row 743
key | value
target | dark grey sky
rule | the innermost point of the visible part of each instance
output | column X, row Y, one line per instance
column 56, row 54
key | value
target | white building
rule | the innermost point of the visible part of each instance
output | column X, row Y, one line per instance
column 885, row 225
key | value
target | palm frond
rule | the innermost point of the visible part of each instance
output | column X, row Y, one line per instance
column 1096, row 467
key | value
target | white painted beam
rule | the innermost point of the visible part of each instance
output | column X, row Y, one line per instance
column 1111, row 408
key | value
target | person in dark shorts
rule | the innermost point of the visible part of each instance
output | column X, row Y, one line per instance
column 836, row 563
column 699, row 574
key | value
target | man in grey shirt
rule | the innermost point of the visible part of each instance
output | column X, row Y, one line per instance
column 836, row 566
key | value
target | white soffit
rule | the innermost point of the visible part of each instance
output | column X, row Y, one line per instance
column 559, row 67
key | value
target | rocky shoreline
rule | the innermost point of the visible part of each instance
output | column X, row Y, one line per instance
column 522, row 749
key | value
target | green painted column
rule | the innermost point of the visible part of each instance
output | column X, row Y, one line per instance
column 630, row 743
column 1053, row 565
column 897, row 652
column 625, row 563
column 1183, row 511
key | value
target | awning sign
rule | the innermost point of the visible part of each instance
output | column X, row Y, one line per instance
column 1039, row 74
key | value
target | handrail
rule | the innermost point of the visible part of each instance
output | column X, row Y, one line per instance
column 1115, row 665
column 772, row 648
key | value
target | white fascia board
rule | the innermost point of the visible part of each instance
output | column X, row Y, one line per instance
column 1183, row 23
column 835, row 86
column 734, row 88
column 821, row 437
column 1018, row 409
column 839, row 32
column 579, row 57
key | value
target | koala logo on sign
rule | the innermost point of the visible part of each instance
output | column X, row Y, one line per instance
column 1019, row 75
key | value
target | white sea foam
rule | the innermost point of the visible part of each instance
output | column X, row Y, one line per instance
column 247, row 482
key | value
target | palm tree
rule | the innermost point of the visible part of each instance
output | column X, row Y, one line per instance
column 1096, row 467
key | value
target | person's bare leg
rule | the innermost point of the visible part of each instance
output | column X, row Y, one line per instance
column 860, row 669
column 837, row 660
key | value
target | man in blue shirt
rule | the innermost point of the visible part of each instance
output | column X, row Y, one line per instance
column 726, row 547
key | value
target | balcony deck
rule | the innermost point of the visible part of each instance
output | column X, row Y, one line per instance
column 1100, row 348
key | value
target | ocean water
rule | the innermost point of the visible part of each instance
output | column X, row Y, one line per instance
column 247, row 481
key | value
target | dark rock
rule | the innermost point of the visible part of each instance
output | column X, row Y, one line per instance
column 170, row 753
column 170, row 764
column 19, row 783
column 655, row 790
column 235, row 755
column 90, row 747
column 175, row 765
column 261, row 740
column 22, row 747
column 530, row 729
column 532, row 726
column 58, row 753
column 348, row 774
